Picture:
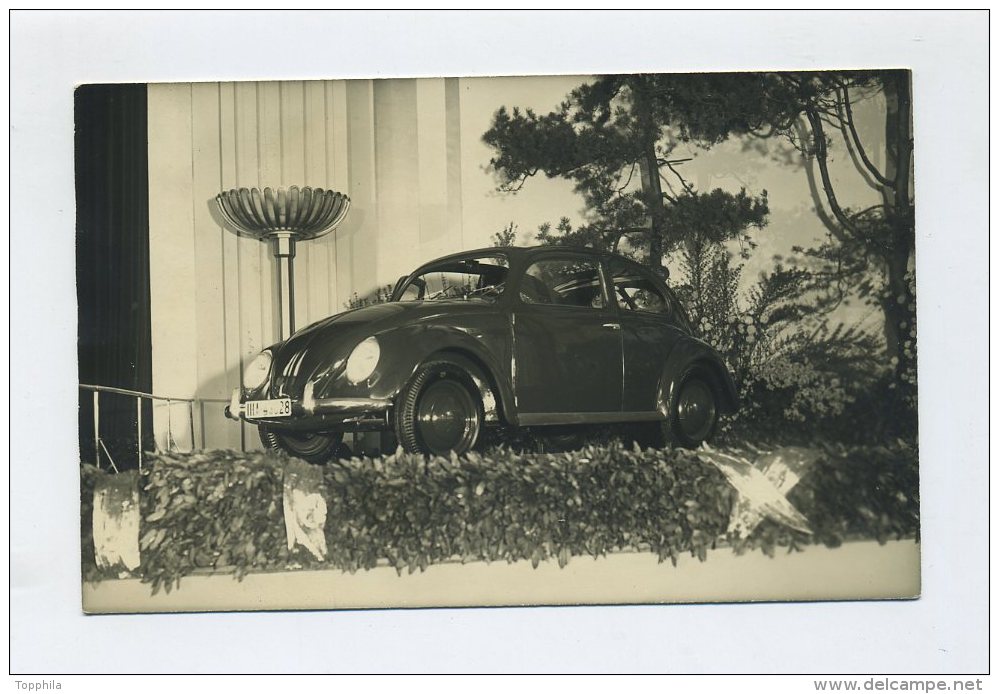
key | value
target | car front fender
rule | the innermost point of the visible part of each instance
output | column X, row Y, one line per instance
column 405, row 348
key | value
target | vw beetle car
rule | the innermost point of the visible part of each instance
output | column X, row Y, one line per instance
column 514, row 337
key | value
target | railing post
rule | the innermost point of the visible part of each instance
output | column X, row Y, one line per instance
column 201, row 410
column 169, row 441
column 138, row 427
column 197, row 438
column 97, row 429
column 190, row 409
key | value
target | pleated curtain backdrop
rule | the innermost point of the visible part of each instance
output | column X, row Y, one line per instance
column 112, row 254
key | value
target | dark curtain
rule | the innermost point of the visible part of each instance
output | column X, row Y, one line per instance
column 112, row 265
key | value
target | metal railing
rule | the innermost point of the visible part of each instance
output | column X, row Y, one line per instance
column 196, row 412
column 193, row 404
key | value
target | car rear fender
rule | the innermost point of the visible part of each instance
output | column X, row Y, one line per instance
column 688, row 353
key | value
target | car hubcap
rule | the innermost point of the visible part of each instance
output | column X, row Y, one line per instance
column 447, row 417
column 696, row 410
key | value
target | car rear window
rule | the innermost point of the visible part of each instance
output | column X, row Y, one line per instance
column 635, row 290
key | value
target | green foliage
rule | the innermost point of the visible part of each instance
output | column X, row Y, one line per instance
column 379, row 296
column 718, row 216
column 708, row 108
column 906, row 370
column 793, row 369
column 715, row 216
column 213, row 510
column 222, row 511
column 870, row 250
column 565, row 235
column 852, row 492
column 613, row 140
column 506, row 237
column 508, row 506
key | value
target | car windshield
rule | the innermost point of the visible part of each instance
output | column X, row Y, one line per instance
column 467, row 279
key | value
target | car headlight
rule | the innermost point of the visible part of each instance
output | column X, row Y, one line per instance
column 362, row 361
column 255, row 373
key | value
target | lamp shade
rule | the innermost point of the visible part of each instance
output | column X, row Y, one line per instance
column 303, row 213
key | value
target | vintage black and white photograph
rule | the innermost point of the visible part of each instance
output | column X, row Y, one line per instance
column 500, row 341
column 621, row 338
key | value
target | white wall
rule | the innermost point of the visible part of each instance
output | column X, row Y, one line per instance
column 392, row 145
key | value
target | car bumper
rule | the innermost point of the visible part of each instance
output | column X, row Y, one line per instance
column 309, row 410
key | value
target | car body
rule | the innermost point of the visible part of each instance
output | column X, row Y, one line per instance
column 517, row 337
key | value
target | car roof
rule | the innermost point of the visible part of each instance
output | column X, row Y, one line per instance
column 519, row 251
column 527, row 251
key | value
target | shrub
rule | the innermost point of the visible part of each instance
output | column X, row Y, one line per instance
column 851, row 493
column 379, row 295
column 415, row 511
column 223, row 511
column 796, row 371
column 211, row 510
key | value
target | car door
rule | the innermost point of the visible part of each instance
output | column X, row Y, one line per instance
column 649, row 331
column 567, row 363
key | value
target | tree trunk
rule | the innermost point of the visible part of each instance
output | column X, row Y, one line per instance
column 648, row 164
column 899, row 302
column 653, row 193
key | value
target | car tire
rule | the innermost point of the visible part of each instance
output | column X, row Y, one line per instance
column 317, row 449
column 438, row 411
column 693, row 415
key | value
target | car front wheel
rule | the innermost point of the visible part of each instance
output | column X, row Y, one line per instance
column 318, row 449
column 694, row 414
column 438, row 411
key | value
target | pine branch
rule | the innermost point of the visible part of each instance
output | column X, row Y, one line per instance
column 821, row 154
column 879, row 177
column 686, row 186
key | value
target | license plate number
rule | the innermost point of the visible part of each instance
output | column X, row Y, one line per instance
column 268, row 408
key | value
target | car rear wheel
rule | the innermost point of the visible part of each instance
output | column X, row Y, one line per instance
column 438, row 411
column 314, row 448
column 694, row 413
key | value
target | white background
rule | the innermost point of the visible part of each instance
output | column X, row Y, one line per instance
column 945, row 631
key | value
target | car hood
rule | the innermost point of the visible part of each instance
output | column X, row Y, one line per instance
column 333, row 332
column 358, row 316
column 350, row 324
column 327, row 342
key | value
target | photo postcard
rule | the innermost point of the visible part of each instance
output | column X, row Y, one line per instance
column 590, row 339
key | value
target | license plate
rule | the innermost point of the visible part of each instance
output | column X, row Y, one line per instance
column 254, row 409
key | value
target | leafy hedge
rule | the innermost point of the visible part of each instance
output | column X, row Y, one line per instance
column 414, row 511
column 221, row 510
column 852, row 492
column 212, row 510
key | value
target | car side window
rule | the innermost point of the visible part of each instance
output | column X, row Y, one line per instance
column 462, row 279
column 563, row 282
column 636, row 290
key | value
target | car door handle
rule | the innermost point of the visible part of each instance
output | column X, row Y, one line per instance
column 612, row 326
